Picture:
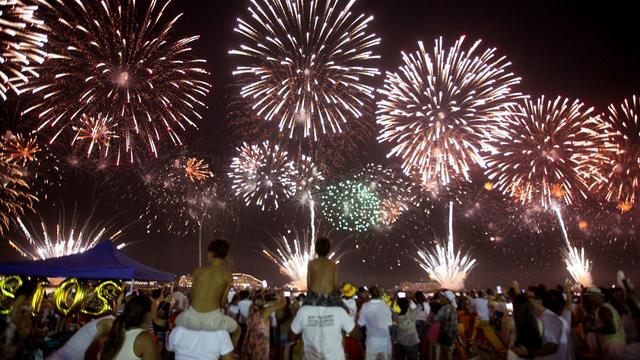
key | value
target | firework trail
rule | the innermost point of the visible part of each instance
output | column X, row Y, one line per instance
column 445, row 266
column 22, row 36
column 543, row 151
column 308, row 61
column 578, row 265
column 436, row 109
column 115, row 77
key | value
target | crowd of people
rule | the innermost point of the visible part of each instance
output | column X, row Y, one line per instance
column 336, row 321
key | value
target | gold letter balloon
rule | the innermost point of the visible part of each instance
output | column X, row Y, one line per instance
column 104, row 299
column 70, row 296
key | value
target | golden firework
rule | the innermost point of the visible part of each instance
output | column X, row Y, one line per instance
column 557, row 191
column 97, row 131
column 625, row 206
column 197, row 170
column 17, row 149
column 583, row 225
column 15, row 194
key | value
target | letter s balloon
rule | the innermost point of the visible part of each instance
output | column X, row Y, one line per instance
column 107, row 294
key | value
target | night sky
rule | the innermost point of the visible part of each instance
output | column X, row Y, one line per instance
column 569, row 48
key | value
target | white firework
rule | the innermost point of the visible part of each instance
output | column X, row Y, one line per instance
column 293, row 256
column 22, row 37
column 308, row 62
column 578, row 265
column 444, row 265
column 262, row 174
column 435, row 110
column 66, row 239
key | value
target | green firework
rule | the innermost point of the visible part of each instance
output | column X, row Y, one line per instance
column 351, row 206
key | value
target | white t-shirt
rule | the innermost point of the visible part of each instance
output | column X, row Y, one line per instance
column 233, row 311
column 376, row 317
column 321, row 328
column 567, row 318
column 555, row 331
column 182, row 301
column 244, row 306
column 195, row 345
column 481, row 307
column 425, row 309
column 352, row 306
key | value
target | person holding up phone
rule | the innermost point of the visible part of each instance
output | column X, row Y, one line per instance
column 408, row 339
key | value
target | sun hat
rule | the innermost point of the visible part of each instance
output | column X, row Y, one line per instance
column 348, row 290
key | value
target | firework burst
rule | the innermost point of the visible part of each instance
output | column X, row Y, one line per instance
column 543, row 151
column 436, row 109
column 618, row 177
column 293, row 256
column 15, row 194
column 97, row 132
column 351, row 205
column 309, row 176
column 17, row 149
column 391, row 187
column 262, row 174
column 308, row 64
column 181, row 193
column 197, row 170
column 444, row 265
column 21, row 40
column 67, row 238
column 112, row 67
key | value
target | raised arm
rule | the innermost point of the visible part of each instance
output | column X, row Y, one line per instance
column 276, row 307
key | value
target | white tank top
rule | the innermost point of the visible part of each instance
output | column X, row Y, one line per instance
column 618, row 338
column 126, row 351
column 75, row 347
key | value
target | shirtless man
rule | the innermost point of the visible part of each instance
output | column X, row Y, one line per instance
column 322, row 277
column 211, row 285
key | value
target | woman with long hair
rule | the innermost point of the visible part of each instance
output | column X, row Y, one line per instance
column 527, row 336
column 128, row 339
column 256, row 342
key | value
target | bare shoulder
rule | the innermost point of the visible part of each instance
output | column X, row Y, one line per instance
column 144, row 340
column 104, row 325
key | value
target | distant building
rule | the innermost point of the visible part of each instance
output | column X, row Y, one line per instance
column 246, row 281
column 429, row 287
column 240, row 281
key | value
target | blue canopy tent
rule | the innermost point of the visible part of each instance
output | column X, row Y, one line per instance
column 103, row 261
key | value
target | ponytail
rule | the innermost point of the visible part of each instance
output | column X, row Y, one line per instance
column 115, row 340
column 135, row 311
